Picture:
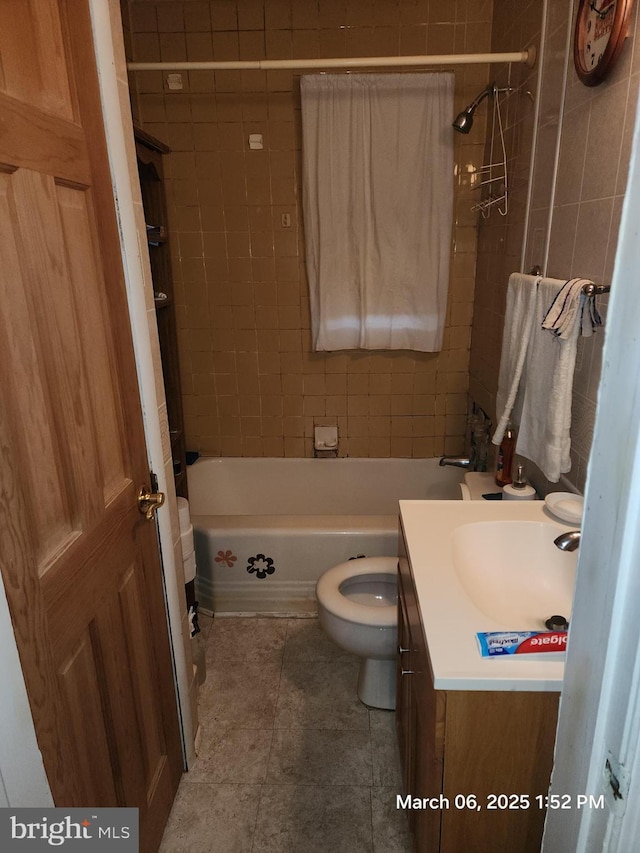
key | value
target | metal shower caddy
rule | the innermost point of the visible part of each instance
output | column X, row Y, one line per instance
column 494, row 174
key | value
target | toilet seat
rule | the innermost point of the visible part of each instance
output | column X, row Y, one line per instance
column 328, row 591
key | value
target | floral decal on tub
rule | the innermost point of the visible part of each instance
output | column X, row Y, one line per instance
column 226, row 557
column 261, row 565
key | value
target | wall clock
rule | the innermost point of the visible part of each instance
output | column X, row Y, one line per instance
column 601, row 28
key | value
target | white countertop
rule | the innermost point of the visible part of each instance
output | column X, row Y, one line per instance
column 449, row 617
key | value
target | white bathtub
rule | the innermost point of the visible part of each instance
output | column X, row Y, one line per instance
column 266, row 529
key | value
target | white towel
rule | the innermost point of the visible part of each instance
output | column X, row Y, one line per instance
column 545, row 423
column 571, row 300
column 518, row 322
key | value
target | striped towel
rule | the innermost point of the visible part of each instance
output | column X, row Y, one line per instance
column 569, row 306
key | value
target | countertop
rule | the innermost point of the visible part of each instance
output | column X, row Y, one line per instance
column 449, row 617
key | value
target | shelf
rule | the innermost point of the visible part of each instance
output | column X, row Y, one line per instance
column 161, row 300
column 156, row 235
column 149, row 153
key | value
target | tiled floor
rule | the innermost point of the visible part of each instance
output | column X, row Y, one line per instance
column 290, row 760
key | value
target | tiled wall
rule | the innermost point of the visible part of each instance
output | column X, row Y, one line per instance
column 515, row 25
column 252, row 386
column 575, row 214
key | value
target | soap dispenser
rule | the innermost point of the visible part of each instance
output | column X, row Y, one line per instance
column 519, row 490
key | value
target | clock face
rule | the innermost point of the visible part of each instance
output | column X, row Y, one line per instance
column 601, row 28
column 597, row 27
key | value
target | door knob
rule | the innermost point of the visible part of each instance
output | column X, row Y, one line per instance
column 148, row 501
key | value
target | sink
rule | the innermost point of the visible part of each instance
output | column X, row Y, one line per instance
column 487, row 566
column 513, row 573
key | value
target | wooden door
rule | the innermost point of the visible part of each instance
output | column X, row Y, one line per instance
column 79, row 562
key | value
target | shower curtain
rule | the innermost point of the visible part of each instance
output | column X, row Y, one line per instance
column 378, row 204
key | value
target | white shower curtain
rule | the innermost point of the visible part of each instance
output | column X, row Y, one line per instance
column 378, row 204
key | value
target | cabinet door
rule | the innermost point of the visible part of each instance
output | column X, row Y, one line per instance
column 419, row 717
column 428, row 748
column 404, row 704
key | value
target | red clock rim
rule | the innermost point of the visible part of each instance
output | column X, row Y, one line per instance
column 614, row 47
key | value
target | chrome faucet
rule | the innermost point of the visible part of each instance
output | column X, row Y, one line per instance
column 479, row 429
column 456, row 462
column 568, row 541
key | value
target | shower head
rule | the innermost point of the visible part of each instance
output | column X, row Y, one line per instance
column 463, row 122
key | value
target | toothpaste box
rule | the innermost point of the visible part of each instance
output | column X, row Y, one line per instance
column 499, row 643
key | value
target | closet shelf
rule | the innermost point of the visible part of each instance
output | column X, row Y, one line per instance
column 156, row 235
column 161, row 299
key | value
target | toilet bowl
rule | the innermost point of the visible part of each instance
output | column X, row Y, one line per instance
column 357, row 608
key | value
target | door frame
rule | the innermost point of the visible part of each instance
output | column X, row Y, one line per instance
column 23, row 781
column 114, row 90
column 599, row 719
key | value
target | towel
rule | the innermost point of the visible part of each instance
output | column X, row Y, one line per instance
column 569, row 302
column 545, row 423
column 518, row 323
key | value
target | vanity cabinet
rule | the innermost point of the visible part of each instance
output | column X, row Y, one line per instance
column 458, row 743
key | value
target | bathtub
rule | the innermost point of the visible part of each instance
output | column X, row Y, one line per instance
column 266, row 529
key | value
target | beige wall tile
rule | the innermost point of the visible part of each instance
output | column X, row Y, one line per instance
column 243, row 302
column 587, row 204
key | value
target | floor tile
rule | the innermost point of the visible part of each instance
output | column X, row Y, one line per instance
column 390, row 826
column 290, row 759
column 314, row 819
column 307, row 641
column 245, row 638
column 241, row 694
column 320, row 695
column 232, row 755
column 320, row 757
column 212, row 819
column 384, row 748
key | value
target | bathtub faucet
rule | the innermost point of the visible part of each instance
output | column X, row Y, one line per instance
column 479, row 430
column 456, row 462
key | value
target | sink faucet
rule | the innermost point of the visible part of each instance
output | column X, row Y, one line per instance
column 568, row 541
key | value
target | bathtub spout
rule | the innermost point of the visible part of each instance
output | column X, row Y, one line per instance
column 455, row 461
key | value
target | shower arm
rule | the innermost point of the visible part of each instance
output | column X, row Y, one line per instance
column 490, row 90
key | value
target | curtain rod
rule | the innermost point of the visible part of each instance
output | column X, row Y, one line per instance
column 527, row 56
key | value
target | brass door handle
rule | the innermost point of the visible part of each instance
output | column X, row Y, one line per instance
column 148, row 501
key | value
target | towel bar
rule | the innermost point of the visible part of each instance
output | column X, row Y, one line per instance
column 592, row 289
column 589, row 289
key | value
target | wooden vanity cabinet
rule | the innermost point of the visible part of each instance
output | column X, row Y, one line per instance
column 464, row 742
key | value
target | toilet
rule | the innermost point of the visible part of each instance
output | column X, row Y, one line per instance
column 357, row 608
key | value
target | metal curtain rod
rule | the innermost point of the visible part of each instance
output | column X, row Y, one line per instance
column 527, row 56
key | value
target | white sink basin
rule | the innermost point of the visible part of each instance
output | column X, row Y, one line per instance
column 513, row 573
column 487, row 566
